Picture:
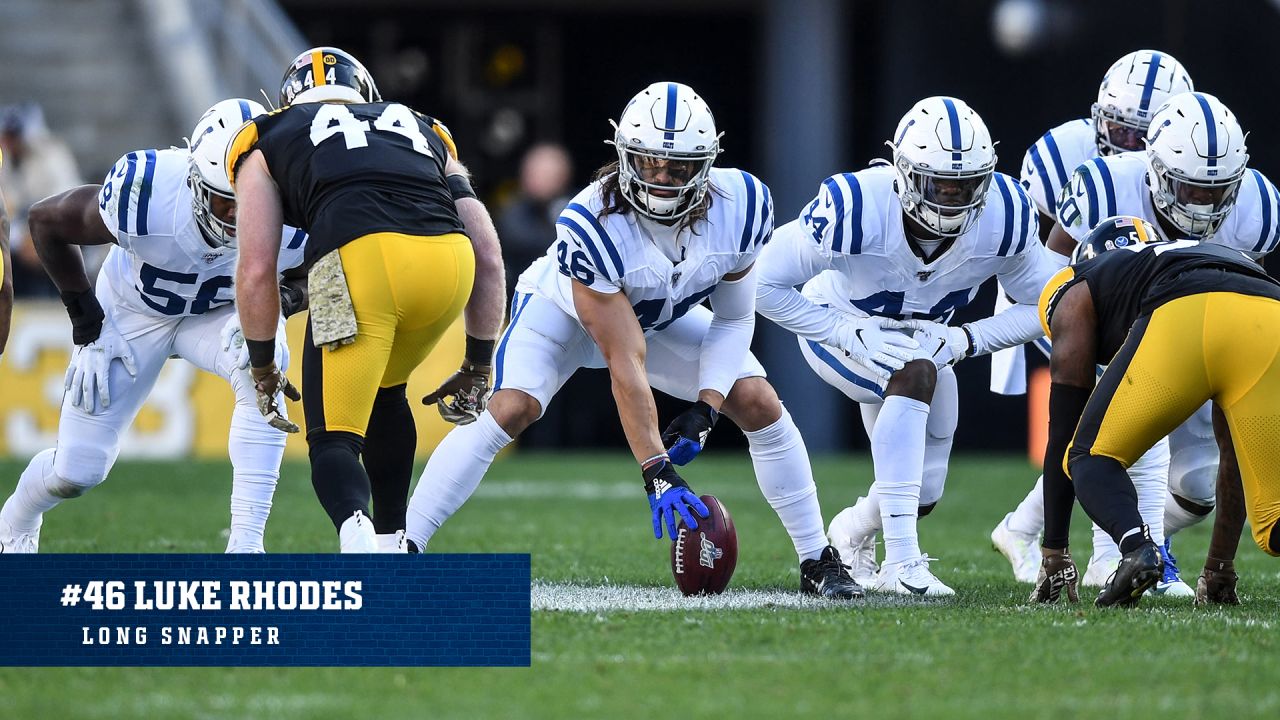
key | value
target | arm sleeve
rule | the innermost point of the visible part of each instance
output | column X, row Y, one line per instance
column 728, row 340
column 1023, row 278
column 790, row 259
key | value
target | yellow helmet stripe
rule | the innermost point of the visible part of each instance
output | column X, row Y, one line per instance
column 1138, row 224
column 317, row 68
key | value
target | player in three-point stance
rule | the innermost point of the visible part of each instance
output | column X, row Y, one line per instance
column 636, row 253
column 165, row 290
column 1178, row 324
column 886, row 256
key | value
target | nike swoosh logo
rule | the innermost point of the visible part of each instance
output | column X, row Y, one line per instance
column 900, row 515
column 916, row 590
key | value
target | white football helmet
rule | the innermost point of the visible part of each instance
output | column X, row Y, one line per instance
column 944, row 160
column 1196, row 158
column 207, row 173
column 1135, row 86
column 666, row 141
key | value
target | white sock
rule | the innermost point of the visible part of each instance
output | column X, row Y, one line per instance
column 897, row 449
column 1028, row 517
column 786, row 479
column 454, row 471
column 255, row 449
column 1103, row 545
column 34, row 496
column 866, row 514
column 1177, row 517
column 1152, row 489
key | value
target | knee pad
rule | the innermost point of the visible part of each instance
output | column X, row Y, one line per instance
column 80, row 467
column 390, row 396
column 924, row 510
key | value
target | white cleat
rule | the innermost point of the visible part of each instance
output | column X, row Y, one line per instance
column 1101, row 566
column 911, row 578
column 858, row 553
column 393, row 543
column 357, row 535
column 1171, row 584
column 1022, row 550
column 18, row 543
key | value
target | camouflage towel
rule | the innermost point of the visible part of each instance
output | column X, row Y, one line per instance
column 333, row 317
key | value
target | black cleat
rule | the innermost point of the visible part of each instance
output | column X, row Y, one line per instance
column 828, row 577
column 1138, row 571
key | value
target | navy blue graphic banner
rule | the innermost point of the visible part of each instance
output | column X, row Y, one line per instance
column 265, row 610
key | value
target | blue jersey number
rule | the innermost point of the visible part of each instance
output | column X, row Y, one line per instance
column 888, row 303
column 648, row 311
column 574, row 264
column 164, row 300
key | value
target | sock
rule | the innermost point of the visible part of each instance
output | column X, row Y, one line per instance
column 255, row 449
column 1103, row 545
column 782, row 470
column 452, row 474
column 866, row 513
column 897, row 449
column 339, row 479
column 34, row 496
column 1108, row 496
column 1177, row 516
column 1028, row 517
column 389, row 446
column 1151, row 487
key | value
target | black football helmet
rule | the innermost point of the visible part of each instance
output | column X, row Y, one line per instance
column 1114, row 232
column 327, row 74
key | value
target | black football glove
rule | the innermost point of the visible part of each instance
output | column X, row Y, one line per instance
column 1217, row 584
column 267, row 381
column 469, row 388
column 1057, row 573
column 685, row 437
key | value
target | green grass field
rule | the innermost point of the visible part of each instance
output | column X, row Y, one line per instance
column 584, row 519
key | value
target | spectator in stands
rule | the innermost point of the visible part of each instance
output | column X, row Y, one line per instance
column 527, row 224
column 37, row 164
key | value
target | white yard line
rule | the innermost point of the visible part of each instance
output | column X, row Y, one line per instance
column 572, row 597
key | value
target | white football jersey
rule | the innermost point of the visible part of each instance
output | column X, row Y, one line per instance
column 621, row 252
column 856, row 223
column 1117, row 185
column 161, row 263
column 1047, row 165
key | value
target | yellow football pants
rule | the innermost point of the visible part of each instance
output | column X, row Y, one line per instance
column 407, row 290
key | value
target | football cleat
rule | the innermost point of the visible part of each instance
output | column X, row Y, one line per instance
column 393, row 543
column 1100, row 567
column 911, row 578
column 18, row 543
column 827, row 576
column 357, row 535
column 1057, row 572
column 1217, row 587
column 1171, row 584
column 857, row 552
column 1022, row 550
column 1138, row 571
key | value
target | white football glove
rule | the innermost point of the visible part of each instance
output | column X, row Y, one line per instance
column 233, row 344
column 90, row 369
column 948, row 345
column 877, row 343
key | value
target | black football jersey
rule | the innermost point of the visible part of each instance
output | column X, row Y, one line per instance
column 1129, row 283
column 350, row 170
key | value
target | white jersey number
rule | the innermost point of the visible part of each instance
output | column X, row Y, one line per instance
column 333, row 119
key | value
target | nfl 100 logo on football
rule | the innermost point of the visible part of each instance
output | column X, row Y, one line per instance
column 703, row 559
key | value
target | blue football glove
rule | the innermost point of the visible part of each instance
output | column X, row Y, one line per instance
column 670, row 494
column 685, row 437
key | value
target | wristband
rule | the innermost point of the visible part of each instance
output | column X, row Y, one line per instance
column 460, row 187
column 479, row 352
column 261, row 352
column 86, row 316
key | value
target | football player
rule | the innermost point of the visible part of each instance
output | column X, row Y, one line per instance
column 1131, row 91
column 397, row 242
column 891, row 252
column 636, row 253
column 165, row 290
column 1192, row 182
column 1178, row 323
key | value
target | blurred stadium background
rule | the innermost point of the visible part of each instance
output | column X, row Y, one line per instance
column 801, row 89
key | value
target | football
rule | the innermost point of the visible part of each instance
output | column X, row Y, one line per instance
column 703, row 560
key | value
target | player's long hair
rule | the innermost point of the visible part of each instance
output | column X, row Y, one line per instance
column 616, row 202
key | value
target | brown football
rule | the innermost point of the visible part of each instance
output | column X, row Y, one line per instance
column 703, row 560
